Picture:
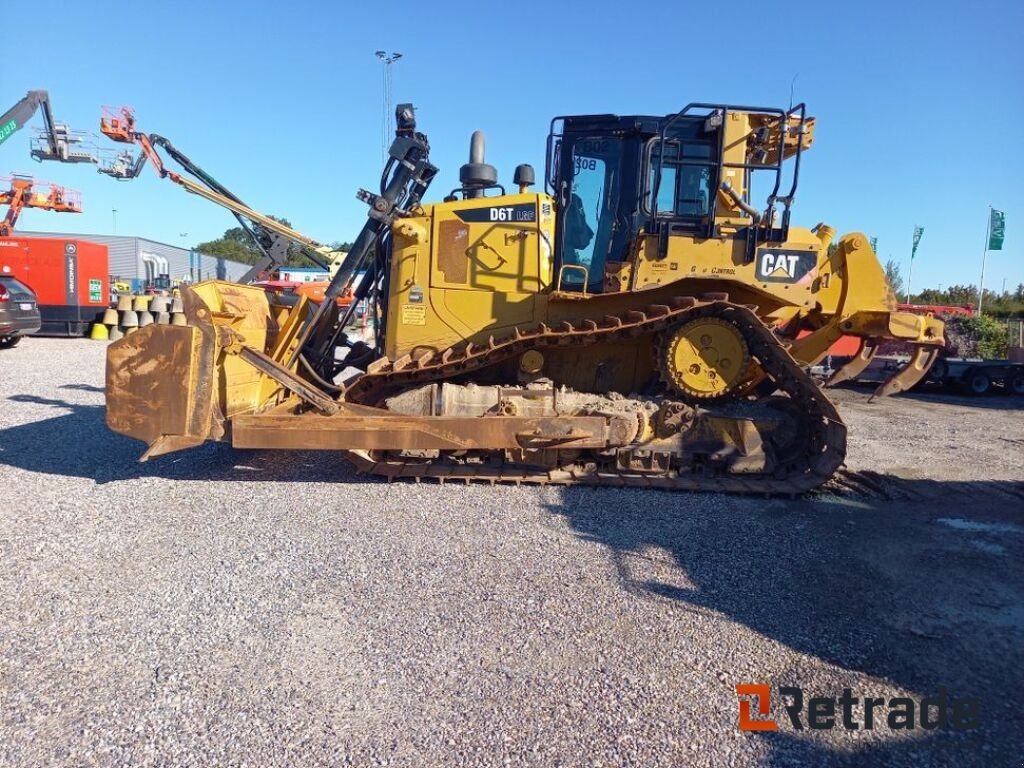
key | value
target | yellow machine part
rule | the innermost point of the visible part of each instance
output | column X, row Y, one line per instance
column 175, row 386
column 472, row 269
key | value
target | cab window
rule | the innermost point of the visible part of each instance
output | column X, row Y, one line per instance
column 687, row 175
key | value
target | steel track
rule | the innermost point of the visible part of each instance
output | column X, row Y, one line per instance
column 821, row 433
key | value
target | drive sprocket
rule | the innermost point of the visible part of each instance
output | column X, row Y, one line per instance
column 704, row 359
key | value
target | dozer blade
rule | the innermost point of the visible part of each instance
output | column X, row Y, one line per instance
column 865, row 354
column 160, row 387
column 174, row 387
column 910, row 374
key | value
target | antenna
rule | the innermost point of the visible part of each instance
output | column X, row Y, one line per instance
column 386, row 59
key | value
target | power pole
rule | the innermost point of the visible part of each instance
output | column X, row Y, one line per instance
column 387, row 60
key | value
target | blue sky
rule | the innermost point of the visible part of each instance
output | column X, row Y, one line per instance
column 919, row 112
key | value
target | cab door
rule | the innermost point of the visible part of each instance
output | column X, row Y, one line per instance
column 591, row 180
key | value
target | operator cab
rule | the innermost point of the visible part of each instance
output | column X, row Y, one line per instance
column 686, row 174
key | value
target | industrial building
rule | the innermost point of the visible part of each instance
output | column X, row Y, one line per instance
column 141, row 261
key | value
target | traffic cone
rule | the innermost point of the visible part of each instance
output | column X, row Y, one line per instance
column 129, row 320
column 116, row 334
column 98, row 332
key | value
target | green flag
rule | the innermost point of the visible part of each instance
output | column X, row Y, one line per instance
column 918, row 231
column 996, row 230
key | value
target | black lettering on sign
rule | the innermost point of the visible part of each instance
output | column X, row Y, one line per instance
column 510, row 214
column 778, row 266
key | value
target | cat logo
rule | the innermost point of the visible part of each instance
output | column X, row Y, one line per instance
column 776, row 266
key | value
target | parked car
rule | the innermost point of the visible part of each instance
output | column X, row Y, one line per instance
column 19, row 311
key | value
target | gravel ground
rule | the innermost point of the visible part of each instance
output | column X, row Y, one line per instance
column 219, row 607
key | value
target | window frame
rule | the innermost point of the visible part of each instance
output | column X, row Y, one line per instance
column 647, row 194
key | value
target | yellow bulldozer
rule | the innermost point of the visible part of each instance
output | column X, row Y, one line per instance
column 640, row 322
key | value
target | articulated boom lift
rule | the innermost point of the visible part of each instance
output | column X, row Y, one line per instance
column 55, row 141
column 271, row 237
column 26, row 192
column 639, row 323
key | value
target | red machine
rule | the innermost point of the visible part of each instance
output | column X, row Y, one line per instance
column 940, row 310
column 70, row 278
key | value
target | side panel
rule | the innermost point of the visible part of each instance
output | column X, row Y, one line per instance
column 485, row 272
column 469, row 269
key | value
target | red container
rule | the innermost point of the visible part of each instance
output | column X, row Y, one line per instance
column 70, row 278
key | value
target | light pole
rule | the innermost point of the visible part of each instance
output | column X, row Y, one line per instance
column 113, row 212
column 386, row 59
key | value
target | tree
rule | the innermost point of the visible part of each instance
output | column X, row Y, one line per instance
column 237, row 245
column 228, row 249
column 894, row 276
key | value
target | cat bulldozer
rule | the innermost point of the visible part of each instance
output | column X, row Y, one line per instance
column 639, row 322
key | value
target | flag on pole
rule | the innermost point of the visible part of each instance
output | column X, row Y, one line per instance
column 996, row 230
column 918, row 231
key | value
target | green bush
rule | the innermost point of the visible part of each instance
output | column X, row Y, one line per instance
column 977, row 337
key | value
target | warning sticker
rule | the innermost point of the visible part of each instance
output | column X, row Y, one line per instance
column 95, row 292
column 414, row 314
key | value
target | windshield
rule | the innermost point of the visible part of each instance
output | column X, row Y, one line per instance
column 590, row 209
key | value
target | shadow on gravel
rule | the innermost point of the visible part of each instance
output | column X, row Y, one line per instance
column 925, row 594
column 83, row 388
column 79, row 444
